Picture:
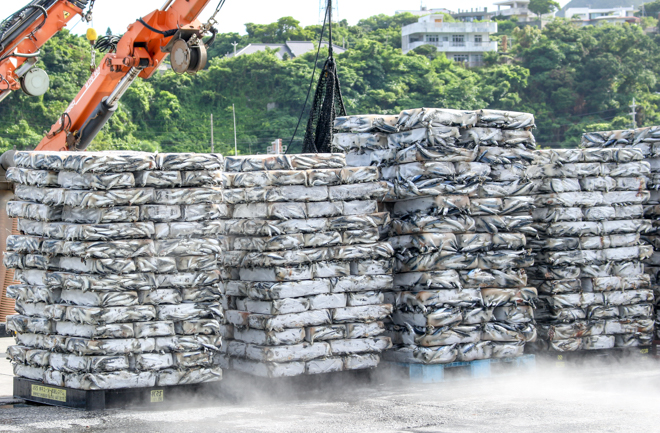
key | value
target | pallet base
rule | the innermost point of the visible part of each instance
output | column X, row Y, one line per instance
column 655, row 348
column 3, row 331
column 613, row 354
column 479, row 369
column 127, row 398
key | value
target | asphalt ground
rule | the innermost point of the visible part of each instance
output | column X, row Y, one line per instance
column 604, row 395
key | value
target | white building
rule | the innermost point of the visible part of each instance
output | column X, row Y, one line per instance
column 425, row 11
column 518, row 8
column 461, row 42
column 588, row 16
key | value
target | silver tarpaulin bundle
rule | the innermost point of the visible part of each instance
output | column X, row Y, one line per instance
column 647, row 141
column 460, row 200
column 590, row 219
column 308, row 265
column 110, row 293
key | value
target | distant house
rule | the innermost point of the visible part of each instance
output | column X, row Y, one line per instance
column 463, row 42
column 518, row 9
column 163, row 68
column 474, row 14
column 425, row 11
column 588, row 16
column 290, row 48
column 597, row 4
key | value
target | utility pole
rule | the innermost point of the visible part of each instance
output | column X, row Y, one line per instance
column 235, row 142
column 323, row 10
column 633, row 113
column 212, row 146
column 235, row 44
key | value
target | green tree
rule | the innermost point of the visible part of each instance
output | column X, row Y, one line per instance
column 429, row 51
column 383, row 21
column 651, row 9
column 285, row 29
column 649, row 22
column 574, row 79
column 505, row 25
column 542, row 7
column 223, row 44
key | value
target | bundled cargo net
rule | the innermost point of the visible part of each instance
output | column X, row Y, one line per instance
column 593, row 292
column 457, row 196
column 647, row 140
column 118, row 268
column 306, row 295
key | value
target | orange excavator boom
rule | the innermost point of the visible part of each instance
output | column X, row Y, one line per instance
column 172, row 30
column 23, row 34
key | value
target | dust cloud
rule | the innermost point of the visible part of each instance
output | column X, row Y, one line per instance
column 597, row 395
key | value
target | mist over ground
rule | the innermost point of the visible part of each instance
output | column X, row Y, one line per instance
column 595, row 396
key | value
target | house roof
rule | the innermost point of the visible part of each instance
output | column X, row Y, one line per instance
column 616, row 17
column 253, row 48
column 597, row 4
column 291, row 48
column 298, row 48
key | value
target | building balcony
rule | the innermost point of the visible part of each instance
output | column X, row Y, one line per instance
column 455, row 47
column 462, row 27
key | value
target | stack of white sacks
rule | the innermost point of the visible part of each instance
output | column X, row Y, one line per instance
column 457, row 187
column 647, row 140
column 118, row 268
column 309, row 269
column 588, row 263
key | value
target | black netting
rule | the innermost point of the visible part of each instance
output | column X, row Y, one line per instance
column 328, row 102
column 327, row 105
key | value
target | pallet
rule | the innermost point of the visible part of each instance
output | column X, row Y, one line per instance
column 655, row 348
column 479, row 369
column 238, row 387
column 127, row 398
column 3, row 331
column 609, row 355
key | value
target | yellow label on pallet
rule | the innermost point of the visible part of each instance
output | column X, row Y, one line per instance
column 644, row 351
column 157, row 396
column 49, row 393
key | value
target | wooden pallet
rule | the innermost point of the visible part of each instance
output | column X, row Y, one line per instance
column 479, row 369
column 128, row 398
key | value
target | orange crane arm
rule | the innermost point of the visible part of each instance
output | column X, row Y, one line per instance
column 173, row 29
column 22, row 36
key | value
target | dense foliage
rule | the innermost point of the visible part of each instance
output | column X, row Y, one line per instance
column 542, row 7
column 573, row 79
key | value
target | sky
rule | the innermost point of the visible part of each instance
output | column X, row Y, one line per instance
column 118, row 14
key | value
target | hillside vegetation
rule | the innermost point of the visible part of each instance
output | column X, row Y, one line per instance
column 573, row 79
